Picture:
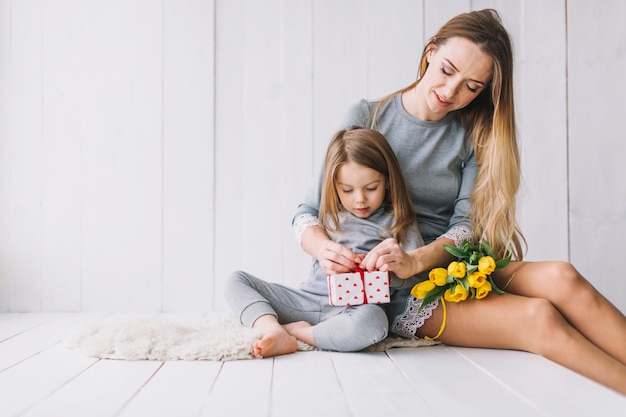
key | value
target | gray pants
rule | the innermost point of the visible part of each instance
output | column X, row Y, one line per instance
column 343, row 329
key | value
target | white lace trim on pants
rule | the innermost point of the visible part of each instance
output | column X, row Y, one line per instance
column 408, row 322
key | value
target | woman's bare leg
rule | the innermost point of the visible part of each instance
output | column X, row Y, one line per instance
column 528, row 324
column 578, row 301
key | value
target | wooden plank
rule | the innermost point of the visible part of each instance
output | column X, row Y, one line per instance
column 542, row 72
column 6, row 139
column 64, row 84
column 142, row 184
column 340, row 50
column 45, row 379
column 264, row 110
column 15, row 324
column 7, row 316
column 295, row 137
column 373, row 386
column 596, row 37
column 310, row 379
column 35, row 339
column 259, row 158
column 546, row 385
column 452, row 385
column 228, row 190
column 37, row 377
column 179, row 388
column 121, row 198
column 100, row 391
column 403, row 23
column 438, row 12
column 188, row 155
column 24, row 267
column 242, row 389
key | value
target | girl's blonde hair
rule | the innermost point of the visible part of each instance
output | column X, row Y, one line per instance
column 368, row 148
column 490, row 122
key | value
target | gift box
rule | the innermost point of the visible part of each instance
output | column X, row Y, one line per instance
column 358, row 287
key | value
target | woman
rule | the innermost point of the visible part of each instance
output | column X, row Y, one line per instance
column 454, row 132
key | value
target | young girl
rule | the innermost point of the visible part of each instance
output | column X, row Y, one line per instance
column 454, row 132
column 364, row 202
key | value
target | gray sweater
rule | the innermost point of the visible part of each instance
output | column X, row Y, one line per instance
column 361, row 236
column 437, row 160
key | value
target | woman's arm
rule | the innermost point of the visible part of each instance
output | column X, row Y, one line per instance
column 432, row 255
column 389, row 256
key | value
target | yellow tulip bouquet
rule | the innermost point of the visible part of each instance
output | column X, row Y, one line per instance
column 468, row 276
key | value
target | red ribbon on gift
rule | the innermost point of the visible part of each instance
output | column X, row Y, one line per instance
column 361, row 271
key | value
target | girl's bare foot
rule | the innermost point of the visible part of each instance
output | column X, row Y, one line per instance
column 274, row 343
column 301, row 330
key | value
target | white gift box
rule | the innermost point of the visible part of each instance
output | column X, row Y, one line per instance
column 360, row 287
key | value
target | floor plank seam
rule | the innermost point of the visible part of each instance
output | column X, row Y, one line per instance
column 136, row 393
column 508, row 387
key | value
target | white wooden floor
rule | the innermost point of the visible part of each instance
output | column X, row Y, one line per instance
column 40, row 377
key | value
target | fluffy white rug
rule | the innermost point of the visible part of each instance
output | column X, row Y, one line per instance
column 218, row 337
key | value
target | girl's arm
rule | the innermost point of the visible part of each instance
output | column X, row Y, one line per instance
column 332, row 257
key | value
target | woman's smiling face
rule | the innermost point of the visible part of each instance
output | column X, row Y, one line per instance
column 457, row 73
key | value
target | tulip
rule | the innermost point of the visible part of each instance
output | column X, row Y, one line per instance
column 421, row 289
column 438, row 276
column 459, row 294
column 486, row 265
column 457, row 269
column 476, row 279
column 483, row 290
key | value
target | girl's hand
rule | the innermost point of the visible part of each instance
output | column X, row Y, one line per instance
column 389, row 256
column 335, row 258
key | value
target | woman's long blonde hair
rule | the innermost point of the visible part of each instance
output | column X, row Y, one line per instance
column 489, row 120
column 368, row 148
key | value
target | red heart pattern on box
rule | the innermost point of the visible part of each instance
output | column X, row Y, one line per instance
column 360, row 287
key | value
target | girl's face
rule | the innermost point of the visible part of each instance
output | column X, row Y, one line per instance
column 457, row 72
column 361, row 189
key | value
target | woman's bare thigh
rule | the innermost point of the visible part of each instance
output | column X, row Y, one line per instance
column 530, row 279
column 497, row 321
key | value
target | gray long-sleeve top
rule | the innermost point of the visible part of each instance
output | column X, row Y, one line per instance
column 437, row 159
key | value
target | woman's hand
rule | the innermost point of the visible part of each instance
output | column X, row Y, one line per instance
column 389, row 256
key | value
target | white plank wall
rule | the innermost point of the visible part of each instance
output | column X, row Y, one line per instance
column 149, row 148
column 596, row 63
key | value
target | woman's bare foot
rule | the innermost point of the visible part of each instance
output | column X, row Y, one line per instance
column 301, row 330
column 275, row 341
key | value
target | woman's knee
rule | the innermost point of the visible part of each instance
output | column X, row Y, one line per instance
column 545, row 326
column 568, row 285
